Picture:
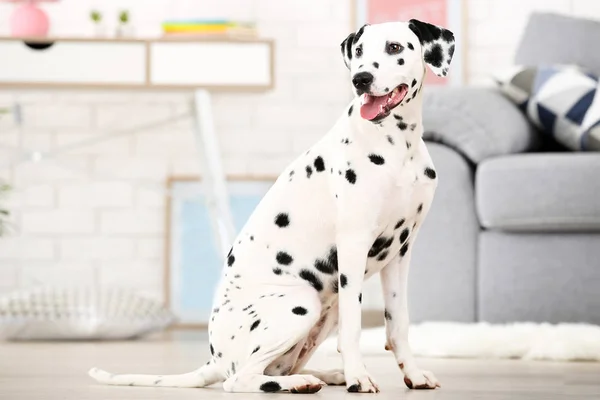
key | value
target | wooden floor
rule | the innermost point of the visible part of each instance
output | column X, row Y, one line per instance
column 52, row 371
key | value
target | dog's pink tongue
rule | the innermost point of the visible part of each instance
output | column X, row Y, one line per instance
column 372, row 106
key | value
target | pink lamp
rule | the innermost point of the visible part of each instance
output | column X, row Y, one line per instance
column 28, row 19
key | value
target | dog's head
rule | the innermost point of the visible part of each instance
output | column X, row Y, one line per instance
column 387, row 62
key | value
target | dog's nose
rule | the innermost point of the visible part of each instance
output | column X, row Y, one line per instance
column 362, row 80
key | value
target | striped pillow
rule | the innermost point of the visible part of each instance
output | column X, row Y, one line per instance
column 560, row 100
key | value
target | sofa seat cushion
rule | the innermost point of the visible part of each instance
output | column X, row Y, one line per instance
column 539, row 193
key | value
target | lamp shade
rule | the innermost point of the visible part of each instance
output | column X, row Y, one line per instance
column 28, row 19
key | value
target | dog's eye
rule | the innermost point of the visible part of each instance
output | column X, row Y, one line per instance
column 358, row 51
column 393, row 48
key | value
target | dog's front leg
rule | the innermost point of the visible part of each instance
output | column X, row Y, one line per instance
column 352, row 257
column 394, row 279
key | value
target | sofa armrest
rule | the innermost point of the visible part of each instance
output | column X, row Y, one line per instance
column 478, row 122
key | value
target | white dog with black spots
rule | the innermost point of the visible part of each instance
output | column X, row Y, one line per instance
column 347, row 209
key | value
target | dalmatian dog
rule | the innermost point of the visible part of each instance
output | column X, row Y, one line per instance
column 347, row 209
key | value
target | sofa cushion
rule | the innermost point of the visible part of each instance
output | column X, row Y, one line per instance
column 539, row 193
column 479, row 123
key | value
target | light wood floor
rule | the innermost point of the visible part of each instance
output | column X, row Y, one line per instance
column 52, row 371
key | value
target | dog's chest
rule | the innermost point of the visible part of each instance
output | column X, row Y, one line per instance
column 406, row 197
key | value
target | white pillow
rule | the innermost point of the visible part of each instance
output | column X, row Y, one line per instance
column 48, row 313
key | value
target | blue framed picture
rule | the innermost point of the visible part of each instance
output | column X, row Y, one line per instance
column 193, row 262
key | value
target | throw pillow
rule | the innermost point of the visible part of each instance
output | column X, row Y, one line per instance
column 560, row 100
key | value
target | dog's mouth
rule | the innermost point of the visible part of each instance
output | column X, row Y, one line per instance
column 377, row 107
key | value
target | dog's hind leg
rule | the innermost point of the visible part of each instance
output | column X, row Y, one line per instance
column 279, row 326
column 203, row 376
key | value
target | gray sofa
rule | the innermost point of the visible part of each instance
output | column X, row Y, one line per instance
column 514, row 230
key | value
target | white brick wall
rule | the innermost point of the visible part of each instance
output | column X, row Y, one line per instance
column 96, row 214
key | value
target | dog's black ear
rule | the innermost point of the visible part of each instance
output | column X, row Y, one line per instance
column 437, row 43
column 347, row 44
column 346, row 48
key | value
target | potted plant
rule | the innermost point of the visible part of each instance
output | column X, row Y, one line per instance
column 96, row 17
column 124, row 26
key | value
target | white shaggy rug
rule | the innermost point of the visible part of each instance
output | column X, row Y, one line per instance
column 562, row 342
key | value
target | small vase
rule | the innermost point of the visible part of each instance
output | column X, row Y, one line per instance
column 124, row 30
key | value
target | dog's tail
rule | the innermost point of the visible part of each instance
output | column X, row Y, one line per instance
column 204, row 376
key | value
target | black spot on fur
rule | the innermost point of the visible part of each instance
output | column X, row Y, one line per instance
column 232, row 368
column 376, row 159
column 387, row 315
column 308, row 171
column 414, row 94
column 380, row 244
column 404, row 235
column 412, row 127
column 230, row 259
column 354, row 388
column 343, row 280
column 383, row 256
column 390, row 140
column 414, row 83
column 284, row 258
column 448, row 37
column 256, row 349
column 376, row 65
column 387, row 89
column 319, row 164
column 399, row 224
column 401, row 61
column 408, row 101
column 410, row 46
column 424, row 31
column 450, row 52
column 401, row 124
column 408, row 145
column 299, row 310
column 311, row 278
column 277, row 271
column 420, row 208
column 270, row 387
column 219, row 355
column 360, row 298
column 345, row 141
column 254, row 325
column 212, row 350
column 351, row 176
column 359, row 33
column 434, row 56
column 350, row 110
column 251, row 238
column 282, row 220
column 430, row 173
column 404, row 249
column 328, row 265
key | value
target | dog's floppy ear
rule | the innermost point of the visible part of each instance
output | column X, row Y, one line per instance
column 346, row 48
column 437, row 44
column 347, row 44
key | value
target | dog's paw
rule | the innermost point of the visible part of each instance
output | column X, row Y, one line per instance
column 419, row 379
column 361, row 382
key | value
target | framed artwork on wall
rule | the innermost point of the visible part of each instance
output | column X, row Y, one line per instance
column 193, row 267
column 451, row 14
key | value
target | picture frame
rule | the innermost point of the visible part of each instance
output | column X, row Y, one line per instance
column 192, row 263
column 451, row 14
